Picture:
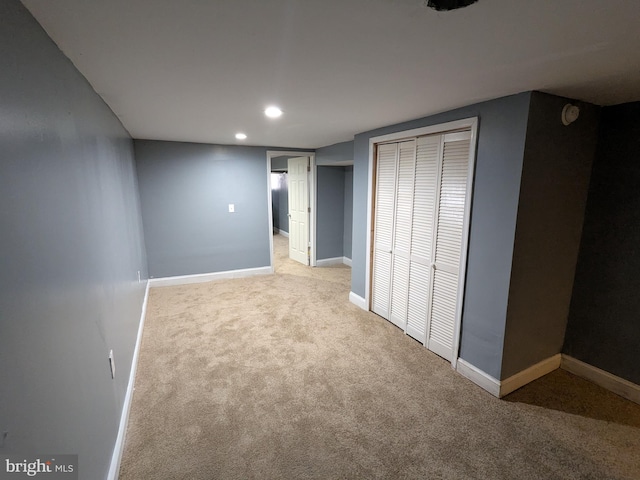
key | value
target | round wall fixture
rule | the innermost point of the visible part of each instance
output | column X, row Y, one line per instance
column 570, row 114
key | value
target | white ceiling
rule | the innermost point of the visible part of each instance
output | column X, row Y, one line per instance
column 201, row 70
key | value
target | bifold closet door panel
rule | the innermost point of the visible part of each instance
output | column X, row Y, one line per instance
column 401, row 248
column 428, row 150
column 420, row 204
column 448, row 242
column 383, row 228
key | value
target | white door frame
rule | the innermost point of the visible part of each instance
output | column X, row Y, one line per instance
column 312, row 200
column 467, row 123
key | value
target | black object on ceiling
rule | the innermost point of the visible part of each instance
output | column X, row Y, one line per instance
column 444, row 5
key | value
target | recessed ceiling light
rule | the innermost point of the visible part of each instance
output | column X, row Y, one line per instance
column 273, row 112
column 241, row 136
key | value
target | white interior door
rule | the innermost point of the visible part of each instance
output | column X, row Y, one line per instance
column 401, row 248
column 447, row 252
column 419, row 222
column 383, row 228
column 298, row 209
column 428, row 153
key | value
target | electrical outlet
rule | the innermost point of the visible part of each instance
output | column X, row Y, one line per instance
column 232, row 208
column 138, row 276
column 112, row 364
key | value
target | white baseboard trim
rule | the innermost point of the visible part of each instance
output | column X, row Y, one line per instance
column 477, row 376
column 358, row 301
column 277, row 231
column 613, row 383
column 328, row 262
column 530, row 374
column 346, row 261
column 118, row 449
column 208, row 277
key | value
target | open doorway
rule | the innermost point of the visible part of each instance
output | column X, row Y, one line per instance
column 334, row 187
column 280, row 198
column 279, row 195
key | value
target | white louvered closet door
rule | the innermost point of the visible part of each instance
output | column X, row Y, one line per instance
column 383, row 228
column 401, row 247
column 445, row 288
column 428, row 152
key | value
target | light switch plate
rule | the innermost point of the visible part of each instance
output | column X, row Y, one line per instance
column 232, row 208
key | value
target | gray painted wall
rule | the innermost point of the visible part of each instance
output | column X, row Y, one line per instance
column 337, row 153
column 553, row 195
column 280, row 203
column 185, row 191
column 348, row 211
column 500, row 151
column 72, row 245
column 603, row 327
column 335, row 200
column 330, row 219
column 280, row 164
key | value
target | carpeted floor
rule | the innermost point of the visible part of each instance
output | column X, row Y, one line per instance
column 280, row 376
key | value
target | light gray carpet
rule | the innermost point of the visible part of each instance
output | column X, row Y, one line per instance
column 281, row 377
